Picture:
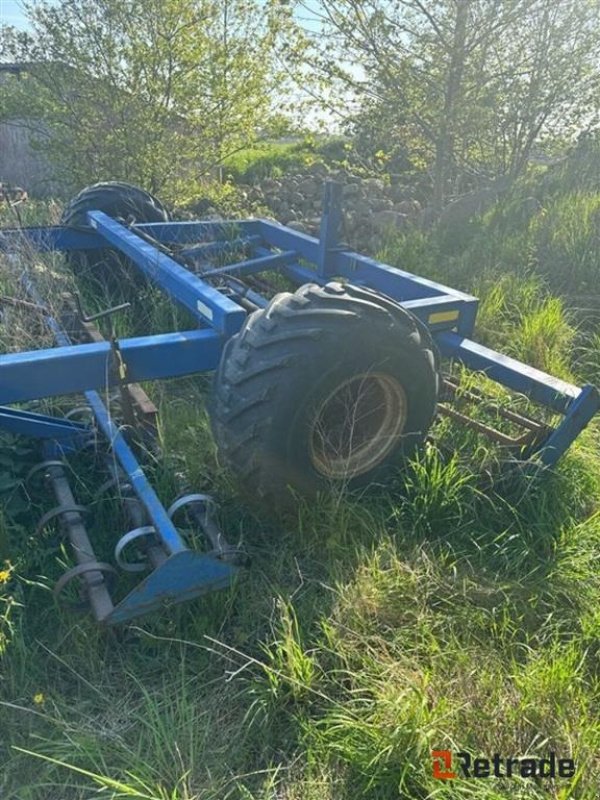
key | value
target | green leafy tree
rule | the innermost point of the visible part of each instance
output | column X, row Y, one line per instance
column 157, row 92
column 462, row 88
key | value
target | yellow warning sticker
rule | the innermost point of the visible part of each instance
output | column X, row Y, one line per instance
column 443, row 316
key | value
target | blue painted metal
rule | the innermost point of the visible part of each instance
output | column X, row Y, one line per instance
column 443, row 312
column 579, row 413
column 184, row 574
column 75, row 368
column 182, row 577
column 254, row 265
column 540, row 387
column 41, row 426
column 171, row 540
column 206, row 303
column 210, row 249
column 186, row 232
column 329, row 233
column 45, row 239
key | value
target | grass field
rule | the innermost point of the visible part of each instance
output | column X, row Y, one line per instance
column 268, row 159
column 441, row 612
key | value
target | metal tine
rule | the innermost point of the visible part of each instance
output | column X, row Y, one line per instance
column 209, row 249
column 71, row 522
column 477, row 396
column 201, row 508
column 86, row 572
column 139, row 521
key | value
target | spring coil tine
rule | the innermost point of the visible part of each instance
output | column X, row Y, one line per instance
column 205, row 508
column 113, row 482
column 132, row 536
column 43, row 465
column 93, row 444
column 79, row 410
column 57, row 511
column 107, row 573
column 205, row 500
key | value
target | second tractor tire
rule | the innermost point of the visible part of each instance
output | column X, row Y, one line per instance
column 118, row 200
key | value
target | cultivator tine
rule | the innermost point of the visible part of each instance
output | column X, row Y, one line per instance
column 144, row 532
column 57, row 511
column 97, row 575
column 42, row 467
column 202, row 508
column 201, row 252
column 534, row 431
column 154, row 554
column 69, row 514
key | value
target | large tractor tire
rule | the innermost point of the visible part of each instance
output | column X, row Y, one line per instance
column 120, row 201
column 326, row 388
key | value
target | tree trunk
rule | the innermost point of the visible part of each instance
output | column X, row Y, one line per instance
column 444, row 146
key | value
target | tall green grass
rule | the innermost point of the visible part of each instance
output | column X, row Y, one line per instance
column 268, row 159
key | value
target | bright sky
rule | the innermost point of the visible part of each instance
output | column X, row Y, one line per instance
column 11, row 13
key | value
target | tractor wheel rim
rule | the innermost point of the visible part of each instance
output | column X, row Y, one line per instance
column 358, row 425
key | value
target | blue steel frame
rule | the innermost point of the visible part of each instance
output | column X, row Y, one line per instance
column 87, row 368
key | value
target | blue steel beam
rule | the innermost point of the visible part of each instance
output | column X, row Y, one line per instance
column 41, row 426
column 186, row 232
column 56, row 237
column 392, row 281
column 444, row 312
column 46, row 238
column 579, row 414
column 171, row 540
column 331, row 222
column 75, row 368
column 209, row 249
column 253, row 265
column 539, row 386
column 205, row 302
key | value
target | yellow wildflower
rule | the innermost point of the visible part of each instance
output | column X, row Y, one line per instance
column 4, row 576
column 39, row 699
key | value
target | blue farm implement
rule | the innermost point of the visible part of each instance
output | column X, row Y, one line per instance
column 327, row 374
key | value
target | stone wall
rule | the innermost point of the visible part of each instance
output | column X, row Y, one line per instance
column 371, row 207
